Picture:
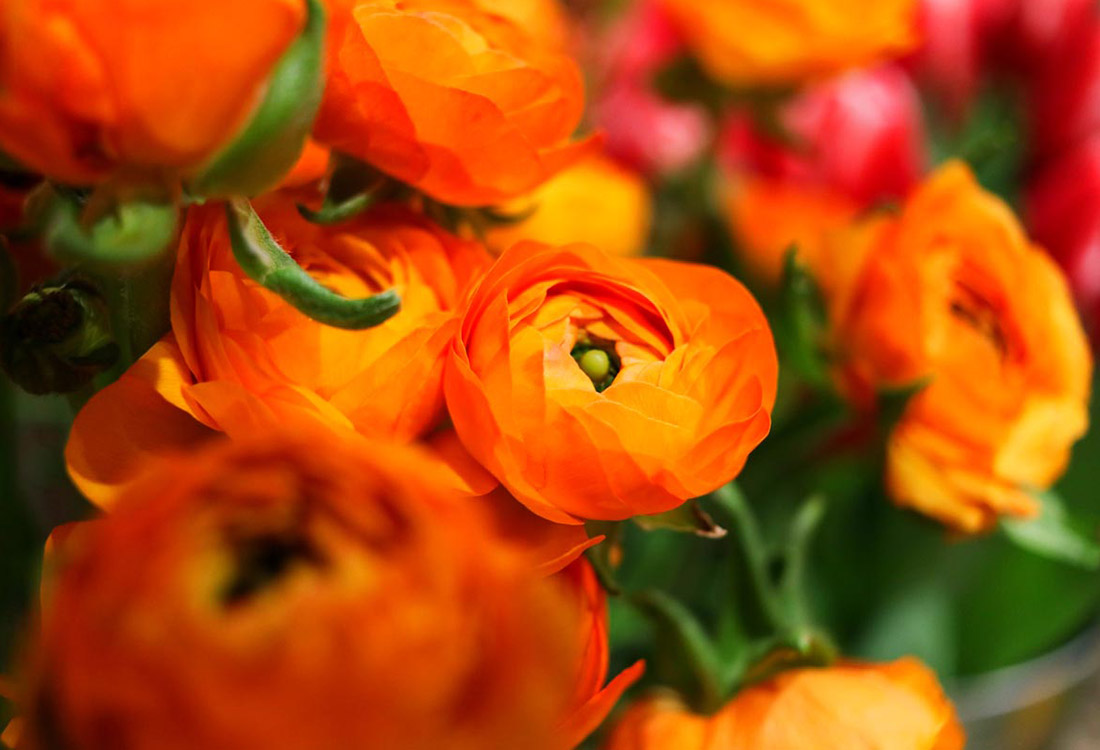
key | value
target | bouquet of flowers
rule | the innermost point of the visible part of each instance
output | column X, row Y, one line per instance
column 621, row 374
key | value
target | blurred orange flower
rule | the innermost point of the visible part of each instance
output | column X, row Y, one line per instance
column 457, row 101
column 750, row 43
column 769, row 217
column 240, row 359
column 899, row 706
column 91, row 89
column 596, row 387
column 596, row 201
column 297, row 592
column 951, row 291
column 592, row 700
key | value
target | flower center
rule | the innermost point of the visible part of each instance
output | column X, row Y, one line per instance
column 597, row 359
column 262, row 561
column 975, row 311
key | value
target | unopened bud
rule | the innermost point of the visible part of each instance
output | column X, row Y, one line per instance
column 57, row 338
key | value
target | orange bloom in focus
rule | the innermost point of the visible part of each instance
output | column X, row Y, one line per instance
column 687, row 380
column 459, row 102
column 293, row 593
column 241, row 360
column 596, row 201
column 769, row 217
column 952, row 291
column 751, row 43
column 91, row 88
column 899, row 706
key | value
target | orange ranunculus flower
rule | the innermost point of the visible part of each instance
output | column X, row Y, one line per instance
column 297, row 592
column 240, row 359
column 597, row 387
column 592, row 700
column 768, row 217
column 896, row 706
column 951, row 291
column 88, row 89
column 749, row 43
column 596, row 201
column 457, row 101
column 546, row 20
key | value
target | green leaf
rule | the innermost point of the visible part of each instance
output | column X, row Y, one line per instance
column 892, row 403
column 689, row 518
column 268, row 264
column 273, row 140
column 133, row 233
column 1055, row 535
column 801, row 333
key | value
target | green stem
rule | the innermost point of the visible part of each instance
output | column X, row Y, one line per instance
column 792, row 587
column 692, row 643
column 746, row 531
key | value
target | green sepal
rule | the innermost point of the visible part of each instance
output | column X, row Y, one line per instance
column 771, row 656
column 334, row 213
column 260, row 256
column 132, row 233
column 1055, row 535
column 273, row 140
column 688, row 518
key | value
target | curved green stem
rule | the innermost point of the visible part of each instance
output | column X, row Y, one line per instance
column 691, row 641
column 269, row 265
column 747, row 533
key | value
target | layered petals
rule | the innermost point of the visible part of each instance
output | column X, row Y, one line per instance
column 460, row 102
column 895, row 706
column 952, row 292
column 689, row 380
column 290, row 592
column 239, row 359
column 88, row 90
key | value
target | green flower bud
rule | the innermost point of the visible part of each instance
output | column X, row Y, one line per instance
column 57, row 339
column 597, row 359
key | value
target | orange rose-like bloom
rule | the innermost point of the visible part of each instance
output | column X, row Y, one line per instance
column 688, row 380
column 240, row 359
column 896, row 706
column 951, row 291
column 459, row 102
column 595, row 201
column 90, row 88
column 297, row 593
column 545, row 20
column 749, row 43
